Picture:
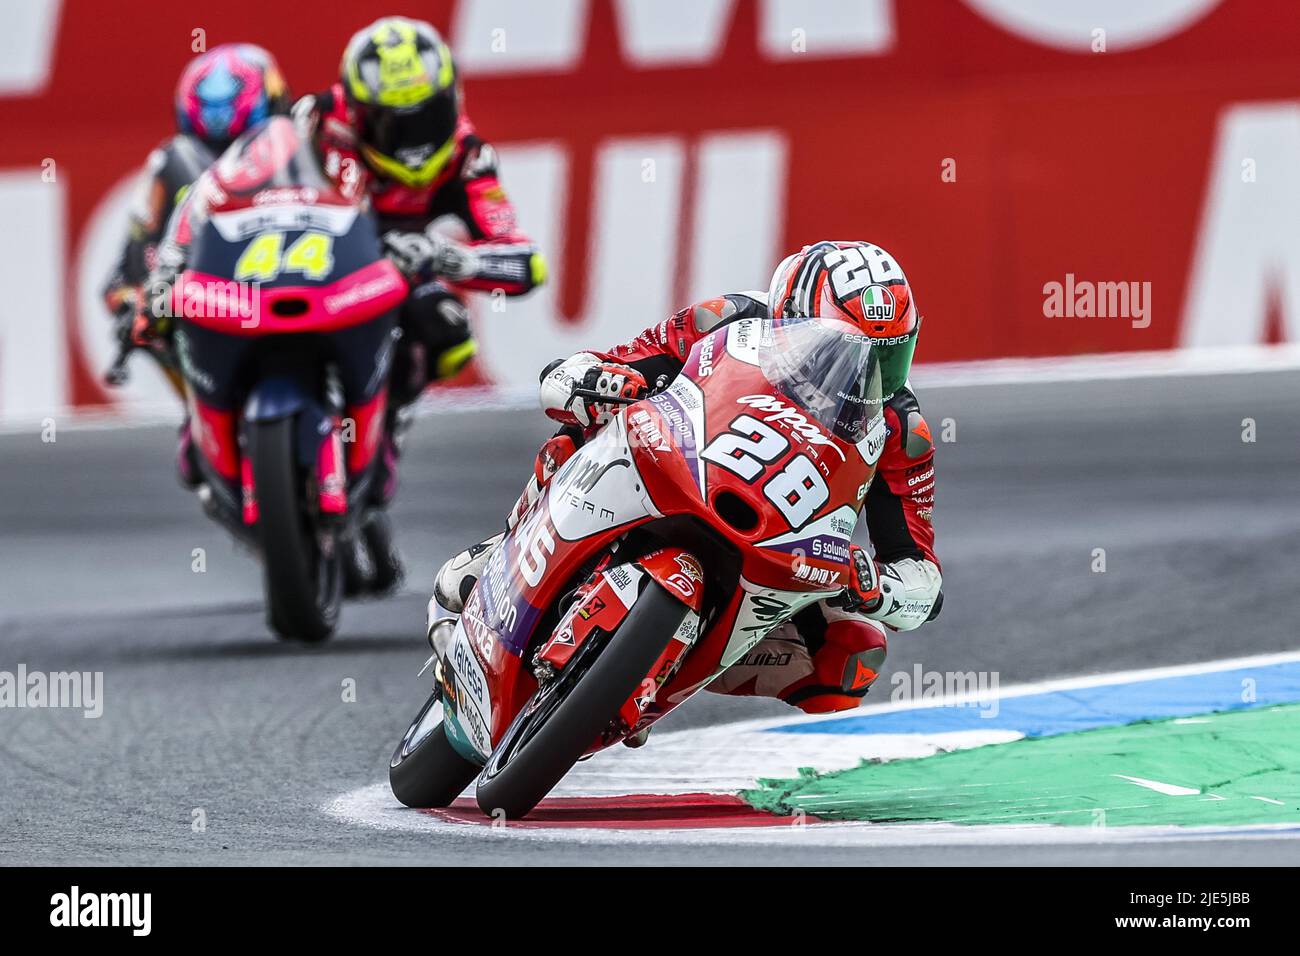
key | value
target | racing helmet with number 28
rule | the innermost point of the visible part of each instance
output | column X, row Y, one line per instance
column 855, row 282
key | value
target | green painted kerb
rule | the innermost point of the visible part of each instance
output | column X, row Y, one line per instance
column 1241, row 767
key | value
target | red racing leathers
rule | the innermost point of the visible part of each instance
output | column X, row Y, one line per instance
column 827, row 657
column 437, row 341
column 467, row 188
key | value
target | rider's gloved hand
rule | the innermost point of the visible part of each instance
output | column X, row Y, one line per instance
column 863, row 593
column 125, row 303
column 303, row 113
column 584, row 390
column 145, row 328
column 121, row 298
column 430, row 253
column 411, row 252
column 152, row 317
column 140, row 332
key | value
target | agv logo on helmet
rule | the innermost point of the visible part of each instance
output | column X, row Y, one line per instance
column 855, row 282
column 877, row 304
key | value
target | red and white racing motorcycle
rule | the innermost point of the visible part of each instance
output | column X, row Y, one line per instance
column 691, row 525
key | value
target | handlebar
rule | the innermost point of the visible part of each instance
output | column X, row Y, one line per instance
column 119, row 374
column 596, row 396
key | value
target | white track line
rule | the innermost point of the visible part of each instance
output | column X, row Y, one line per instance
column 975, row 698
column 1230, row 360
column 374, row 807
column 728, row 757
column 1168, row 789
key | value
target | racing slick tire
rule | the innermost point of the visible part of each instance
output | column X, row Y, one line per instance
column 304, row 585
column 565, row 717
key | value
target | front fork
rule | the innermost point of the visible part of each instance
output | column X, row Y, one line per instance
column 330, row 461
column 601, row 604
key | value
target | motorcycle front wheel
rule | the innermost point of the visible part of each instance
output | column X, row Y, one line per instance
column 565, row 717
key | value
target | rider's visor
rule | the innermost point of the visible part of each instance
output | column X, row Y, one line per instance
column 828, row 368
column 410, row 135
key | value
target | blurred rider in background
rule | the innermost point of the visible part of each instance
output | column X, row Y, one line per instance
column 220, row 94
column 392, row 135
column 393, row 132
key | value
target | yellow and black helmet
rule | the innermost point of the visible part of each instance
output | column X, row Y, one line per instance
column 400, row 83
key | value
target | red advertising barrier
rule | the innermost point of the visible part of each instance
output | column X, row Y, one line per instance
column 992, row 155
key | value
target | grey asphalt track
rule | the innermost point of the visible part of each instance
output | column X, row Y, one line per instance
column 204, row 710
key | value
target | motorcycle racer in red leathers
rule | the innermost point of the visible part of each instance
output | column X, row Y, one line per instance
column 827, row 657
column 393, row 132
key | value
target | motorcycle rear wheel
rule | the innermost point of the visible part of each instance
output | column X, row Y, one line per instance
column 304, row 586
column 562, row 719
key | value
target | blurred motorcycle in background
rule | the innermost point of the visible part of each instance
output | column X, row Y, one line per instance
column 283, row 323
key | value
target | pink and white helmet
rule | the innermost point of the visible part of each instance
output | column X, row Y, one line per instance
column 227, row 90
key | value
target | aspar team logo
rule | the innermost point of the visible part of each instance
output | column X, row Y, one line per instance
column 877, row 304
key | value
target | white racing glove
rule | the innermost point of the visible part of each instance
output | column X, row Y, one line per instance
column 863, row 593
column 909, row 594
column 563, row 382
column 430, row 252
column 303, row 113
column 902, row 594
